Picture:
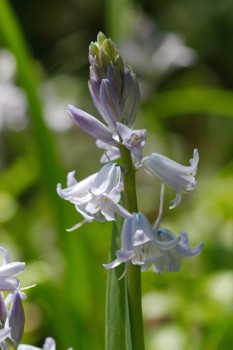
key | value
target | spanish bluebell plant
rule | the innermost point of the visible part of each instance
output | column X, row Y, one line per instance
column 110, row 193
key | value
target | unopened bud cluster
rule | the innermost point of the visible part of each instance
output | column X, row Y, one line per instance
column 113, row 85
column 102, row 54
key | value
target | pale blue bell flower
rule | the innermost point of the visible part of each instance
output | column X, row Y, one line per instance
column 144, row 245
column 96, row 197
column 138, row 243
column 171, row 260
column 9, row 271
column 173, row 174
column 133, row 140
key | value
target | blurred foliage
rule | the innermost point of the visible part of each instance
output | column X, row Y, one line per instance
column 186, row 102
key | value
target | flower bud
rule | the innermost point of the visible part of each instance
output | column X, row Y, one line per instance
column 16, row 318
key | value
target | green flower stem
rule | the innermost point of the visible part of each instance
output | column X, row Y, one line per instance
column 134, row 272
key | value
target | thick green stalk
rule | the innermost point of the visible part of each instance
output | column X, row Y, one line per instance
column 116, row 304
column 134, row 272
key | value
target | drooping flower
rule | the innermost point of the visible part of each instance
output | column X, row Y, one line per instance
column 171, row 260
column 145, row 245
column 96, row 197
column 133, row 140
column 8, row 271
column 175, row 175
column 139, row 245
column 142, row 246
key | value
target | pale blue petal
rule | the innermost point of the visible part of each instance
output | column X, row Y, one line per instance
column 114, row 76
column 130, row 98
column 4, row 333
column 108, row 209
column 113, row 264
column 127, row 235
column 134, row 140
column 12, row 269
column 94, row 88
column 184, row 249
column 49, row 344
column 107, row 179
column 91, row 125
column 140, row 237
column 122, row 211
column 27, row 347
column 77, row 189
column 110, row 103
column 9, row 284
column 124, row 255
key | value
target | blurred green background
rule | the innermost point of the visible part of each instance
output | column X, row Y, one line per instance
column 182, row 52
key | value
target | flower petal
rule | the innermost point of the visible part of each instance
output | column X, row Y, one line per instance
column 4, row 333
column 130, row 98
column 9, row 284
column 74, row 188
column 108, row 179
column 12, row 269
column 134, row 140
column 90, row 125
column 110, row 103
column 113, row 264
